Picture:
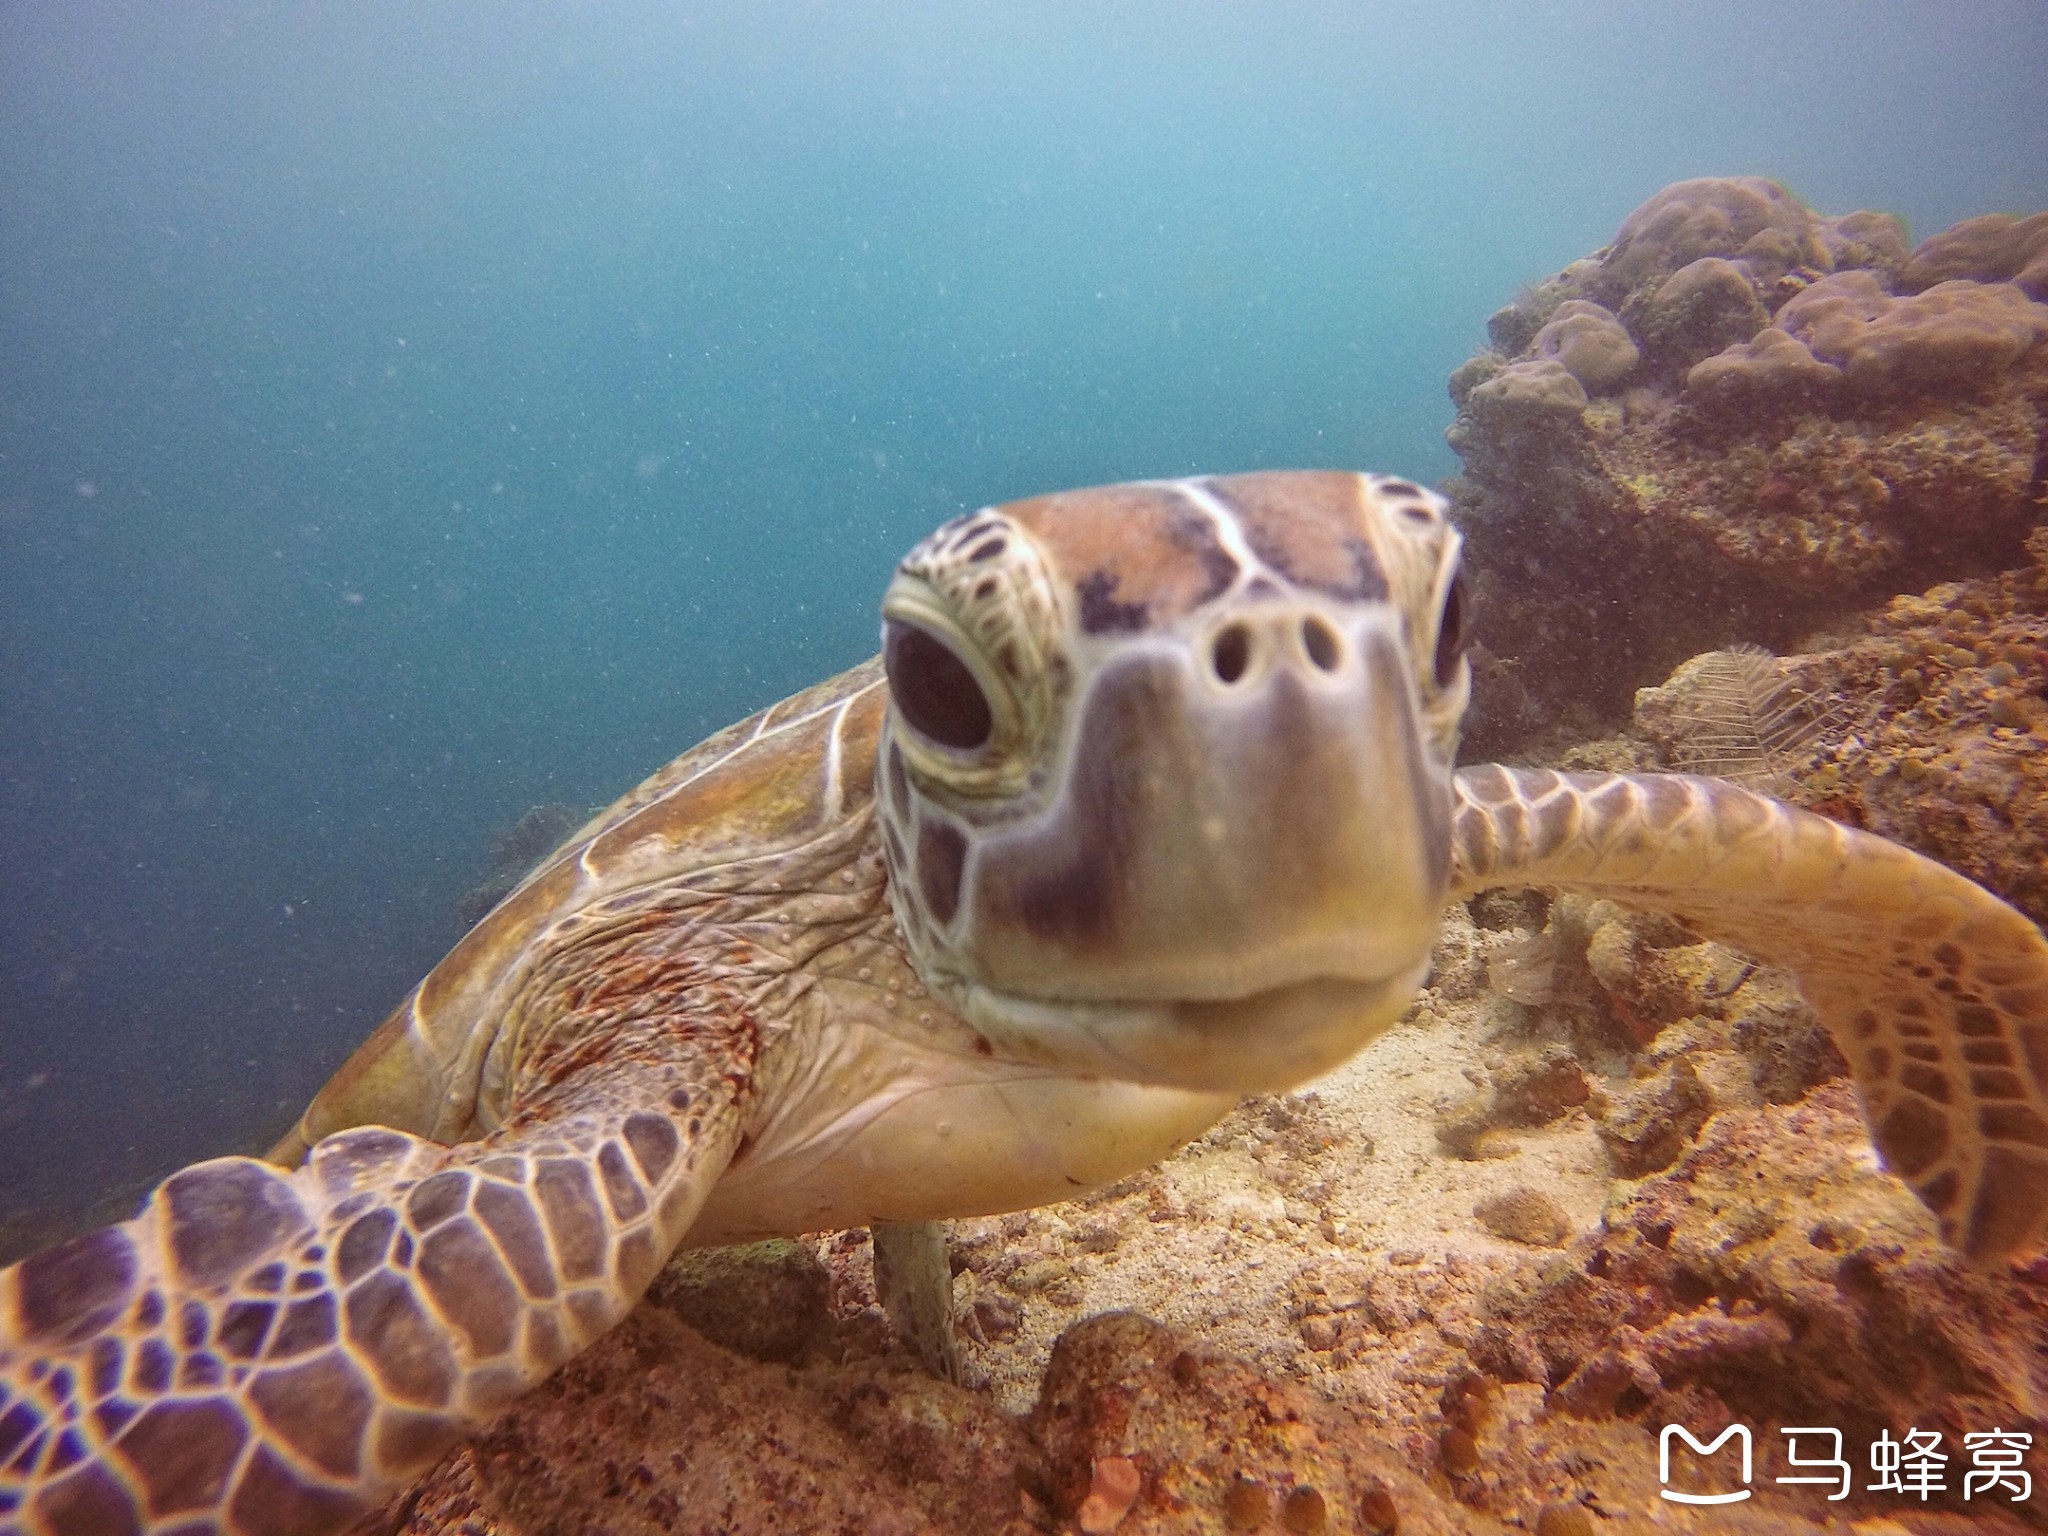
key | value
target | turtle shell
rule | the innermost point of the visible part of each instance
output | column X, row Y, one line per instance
column 442, row 1063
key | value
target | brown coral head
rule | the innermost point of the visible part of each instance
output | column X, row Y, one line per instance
column 1773, row 367
column 1996, row 248
column 1956, row 335
column 1712, row 216
column 1542, row 387
column 1588, row 343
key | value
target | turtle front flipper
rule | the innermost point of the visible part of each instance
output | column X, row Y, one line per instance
column 1935, row 990
column 269, row 1351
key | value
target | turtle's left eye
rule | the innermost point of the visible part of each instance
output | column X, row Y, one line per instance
column 934, row 689
column 1452, row 632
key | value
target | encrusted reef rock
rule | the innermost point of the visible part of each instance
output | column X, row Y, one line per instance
column 1945, row 746
column 1740, row 421
column 1136, row 1429
column 1214, row 1444
column 658, row 1429
column 1997, row 248
column 1705, row 1300
column 1931, row 727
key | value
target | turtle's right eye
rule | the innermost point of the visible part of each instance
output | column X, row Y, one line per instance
column 1453, row 632
column 935, row 691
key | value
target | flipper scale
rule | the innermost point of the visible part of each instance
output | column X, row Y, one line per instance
column 271, row 1351
column 1935, row 990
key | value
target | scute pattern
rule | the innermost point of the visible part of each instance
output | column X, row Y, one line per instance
column 427, row 1295
column 1935, row 990
column 222, row 1219
column 68, row 1291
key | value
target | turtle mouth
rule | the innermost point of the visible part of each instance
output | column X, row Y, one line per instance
column 1261, row 1041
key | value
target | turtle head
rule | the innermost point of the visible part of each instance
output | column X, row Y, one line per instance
column 1165, row 783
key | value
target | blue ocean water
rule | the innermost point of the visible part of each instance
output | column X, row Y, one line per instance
column 410, row 415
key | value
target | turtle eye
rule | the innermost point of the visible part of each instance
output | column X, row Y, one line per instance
column 1451, row 632
column 933, row 688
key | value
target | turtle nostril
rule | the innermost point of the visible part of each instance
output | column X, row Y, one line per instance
column 1320, row 643
column 1232, row 652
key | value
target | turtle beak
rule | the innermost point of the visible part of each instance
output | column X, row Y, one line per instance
column 1245, row 866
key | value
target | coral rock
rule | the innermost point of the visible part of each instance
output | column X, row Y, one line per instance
column 1712, row 216
column 1874, row 241
column 1774, row 367
column 1589, row 343
column 1539, row 388
column 654, row 1429
column 1951, row 710
column 767, row 1300
column 1538, row 1088
column 1647, row 1125
column 1797, row 439
column 1995, row 248
column 1530, row 1088
column 1703, row 307
column 1955, row 335
column 1788, row 1051
column 1561, row 1519
column 1713, row 1294
column 1199, row 1427
column 1651, row 973
column 1472, row 373
column 1524, row 1215
column 1111, row 1494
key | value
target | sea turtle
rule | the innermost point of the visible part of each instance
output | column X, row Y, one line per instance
column 1147, row 804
